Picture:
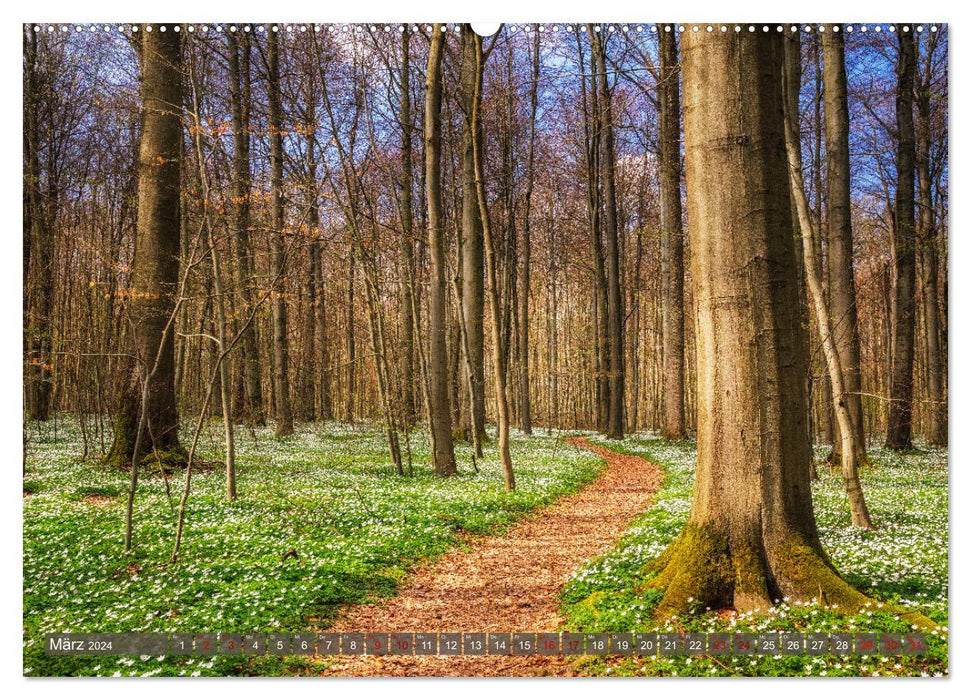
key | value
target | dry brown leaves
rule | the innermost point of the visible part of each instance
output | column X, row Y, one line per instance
column 98, row 500
column 506, row 583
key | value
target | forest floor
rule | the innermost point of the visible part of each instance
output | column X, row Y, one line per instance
column 329, row 492
column 384, row 553
column 904, row 561
column 509, row 582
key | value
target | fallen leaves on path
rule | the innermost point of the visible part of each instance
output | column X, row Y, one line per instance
column 506, row 583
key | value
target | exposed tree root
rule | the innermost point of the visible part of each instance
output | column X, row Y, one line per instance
column 700, row 569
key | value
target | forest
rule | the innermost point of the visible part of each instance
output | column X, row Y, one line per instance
column 580, row 327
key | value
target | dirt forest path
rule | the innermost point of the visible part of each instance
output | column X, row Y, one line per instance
column 506, row 583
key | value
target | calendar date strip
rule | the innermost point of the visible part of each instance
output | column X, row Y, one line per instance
column 487, row 644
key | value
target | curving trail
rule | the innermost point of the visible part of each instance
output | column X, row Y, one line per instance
column 506, row 583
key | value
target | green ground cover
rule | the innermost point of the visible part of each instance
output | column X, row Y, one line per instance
column 904, row 562
column 329, row 492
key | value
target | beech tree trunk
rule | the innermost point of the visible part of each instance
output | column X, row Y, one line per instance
column 281, row 345
column 440, row 412
column 849, row 450
column 899, row 429
column 499, row 358
column 155, row 272
column 38, row 246
column 239, row 89
column 928, row 238
column 526, row 413
column 672, row 237
column 313, row 289
column 751, row 537
column 592, row 149
column 472, row 253
column 350, row 343
column 842, row 287
column 406, row 327
column 615, row 300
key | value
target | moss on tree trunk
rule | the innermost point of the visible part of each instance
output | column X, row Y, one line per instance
column 751, row 537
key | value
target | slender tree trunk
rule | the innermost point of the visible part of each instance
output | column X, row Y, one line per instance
column 672, row 237
column 155, row 274
column 350, row 369
column 472, row 253
column 314, row 293
column 850, row 451
column 615, row 300
column 440, row 413
column 592, row 140
column 927, row 234
column 406, row 245
column 281, row 346
column 899, row 430
column 39, row 247
column 220, row 373
column 498, row 357
column 526, row 411
column 239, row 86
column 324, row 377
column 842, row 288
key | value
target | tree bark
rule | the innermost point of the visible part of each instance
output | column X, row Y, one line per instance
column 472, row 253
column 221, row 383
column 38, row 246
column 155, row 273
column 751, row 537
column 526, row 413
column 615, row 300
column 842, row 288
column 499, row 358
column 899, row 430
column 849, row 451
column 350, row 343
column 239, row 88
column 406, row 244
column 440, row 413
column 928, row 238
column 281, row 347
column 592, row 139
column 672, row 237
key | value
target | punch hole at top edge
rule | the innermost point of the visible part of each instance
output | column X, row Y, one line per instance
column 485, row 28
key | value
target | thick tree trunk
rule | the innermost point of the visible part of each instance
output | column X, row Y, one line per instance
column 842, row 288
column 672, row 237
column 443, row 453
column 615, row 300
column 155, row 273
column 472, row 253
column 751, row 537
column 899, row 430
